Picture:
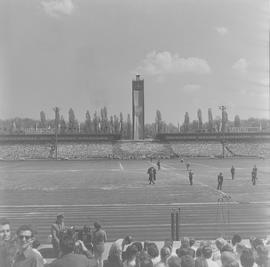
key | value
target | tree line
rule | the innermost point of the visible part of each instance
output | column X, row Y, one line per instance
column 100, row 122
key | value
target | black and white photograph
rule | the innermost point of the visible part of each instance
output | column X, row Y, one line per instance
column 134, row 133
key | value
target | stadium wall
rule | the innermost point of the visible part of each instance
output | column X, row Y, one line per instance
column 75, row 147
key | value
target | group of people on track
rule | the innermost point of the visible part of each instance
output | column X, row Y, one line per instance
column 152, row 174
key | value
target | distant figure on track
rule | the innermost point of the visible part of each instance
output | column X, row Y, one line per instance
column 158, row 164
column 187, row 165
column 253, row 177
column 220, row 181
column 232, row 172
column 190, row 176
column 152, row 175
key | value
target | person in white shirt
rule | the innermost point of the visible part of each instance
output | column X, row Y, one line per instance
column 207, row 254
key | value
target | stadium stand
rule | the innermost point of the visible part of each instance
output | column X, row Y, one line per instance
column 133, row 150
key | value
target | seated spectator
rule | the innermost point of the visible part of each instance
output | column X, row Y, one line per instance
column 68, row 257
column 114, row 258
column 220, row 243
column 247, row 258
column 165, row 253
column 168, row 244
column 174, row 261
column 121, row 245
column 228, row 259
column 185, row 248
column 207, row 254
column 235, row 240
column 131, row 256
column 261, row 258
column 187, row 261
column 7, row 244
column 153, row 252
column 26, row 256
column 227, row 247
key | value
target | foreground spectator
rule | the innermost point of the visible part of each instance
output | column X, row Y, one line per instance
column 68, row 257
column 131, row 256
column 207, row 254
column 114, row 258
column 236, row 239
column 187, row 261
column 26, row 256
column 261, row 258
column 228, row 259
column 7, row 244
column 165, row 253
column 56, row 229
column 174, row 261
column 120, row 244
column 99, row 239
column 247, row 258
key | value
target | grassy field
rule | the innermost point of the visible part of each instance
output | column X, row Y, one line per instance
column 118, row 195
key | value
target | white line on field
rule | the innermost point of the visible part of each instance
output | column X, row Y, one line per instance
column 121, row 166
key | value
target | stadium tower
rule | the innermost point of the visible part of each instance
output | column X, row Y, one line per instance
column 138, row 108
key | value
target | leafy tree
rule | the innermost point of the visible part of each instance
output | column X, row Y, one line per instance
column 195, row 125
column 116, row 124
column 72, row 123
column 63, row 126
column 237, row 122
column 217, row 123
column 42, row 119
column 88, row 122
column 111, row 125
column 56, row 118
column 186, row 123
column 129, row 127
column 95, row 123
column 158, row 122
column 200, row 123
column 121, row 125
column 210, row 121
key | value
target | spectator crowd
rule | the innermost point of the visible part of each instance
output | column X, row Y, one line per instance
column 85, row 248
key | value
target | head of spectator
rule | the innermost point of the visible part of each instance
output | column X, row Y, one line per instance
column 114, row 257
column 247, row 258
column 227, row 247
column 236, row 239
column 152, row 250
column 5, row 231
column 97, row 226
column 165, row 253
column 239, row 248
column 228, row 259
column 131, row 253
column 255, row 242
column 207, row 252
column 174, row 261
column 191, row 242
column 138, row 245
column 220, row 243
column 25, row 236
column 59, row 218
column 67, row 243
column 35, row 244
column 128, row 240
column 180, row 252
column 261, row 258
column 187, row 261
column 185, row 242
column 168, row 244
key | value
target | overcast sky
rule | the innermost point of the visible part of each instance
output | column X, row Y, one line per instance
column 83, row 54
